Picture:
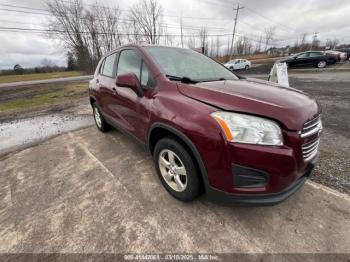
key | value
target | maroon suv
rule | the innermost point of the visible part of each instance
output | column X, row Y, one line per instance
column 239, row 140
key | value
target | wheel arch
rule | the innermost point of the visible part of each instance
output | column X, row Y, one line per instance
column 160, row 130
column 92, row 100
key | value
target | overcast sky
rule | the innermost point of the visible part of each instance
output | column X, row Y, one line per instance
column 330, row 19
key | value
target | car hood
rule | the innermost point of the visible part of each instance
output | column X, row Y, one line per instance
column 292, row 108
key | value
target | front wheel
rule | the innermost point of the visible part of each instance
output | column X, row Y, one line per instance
column 322, row 64
column 246, row 67
column 176, row 169
column 231, row 68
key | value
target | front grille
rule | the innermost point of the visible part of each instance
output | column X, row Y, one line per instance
column 310, row 150
column 312, row 127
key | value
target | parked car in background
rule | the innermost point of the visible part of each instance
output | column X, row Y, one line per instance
column 312, row 58
column 341, row 56
column 238, row 64
column 345, row 50
column 238, row 140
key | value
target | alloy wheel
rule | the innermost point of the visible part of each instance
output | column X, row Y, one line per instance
column 172, row 170
column 321, row 64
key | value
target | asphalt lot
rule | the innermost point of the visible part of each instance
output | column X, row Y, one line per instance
column 92, row 192
column 89, row 192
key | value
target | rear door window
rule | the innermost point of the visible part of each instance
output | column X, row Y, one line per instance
column 314, row 54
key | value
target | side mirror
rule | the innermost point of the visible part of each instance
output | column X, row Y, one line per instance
column 131, row 81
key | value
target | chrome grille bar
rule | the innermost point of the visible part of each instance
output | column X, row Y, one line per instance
column 310, row 149
column 311, row 127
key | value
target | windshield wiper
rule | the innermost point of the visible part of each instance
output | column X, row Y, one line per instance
column 213, row 80
column 183, row 79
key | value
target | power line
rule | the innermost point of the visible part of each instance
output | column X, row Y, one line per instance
column 39, row 30
column 51, row 31
column 269, row 19
column 21, row 11
column 45, row 12
column 23, row 7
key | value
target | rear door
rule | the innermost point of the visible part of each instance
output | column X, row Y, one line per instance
column 315, row 57
column 106, row 82
column 240, row 64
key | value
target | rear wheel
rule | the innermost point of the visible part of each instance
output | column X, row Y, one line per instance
column 322, row 64
column 101, row 123
column 176, row 169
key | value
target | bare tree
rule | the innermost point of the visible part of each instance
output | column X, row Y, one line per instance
column 168, row 39
column 134, row 34
column 182, row 36
column 203, row 37
column 47, row 62
column 218, row 44
column 192, row 42
column 269, row 36
column 243, row 46
column 87, row 33
column 331, row 44
column 258, row 45
column 146, row 17
column 303, row 45
column 67, row 18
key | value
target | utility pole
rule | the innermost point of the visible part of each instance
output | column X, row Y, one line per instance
column 182, row 37
column 234, row 28
column 154, row 28
column 314, row 38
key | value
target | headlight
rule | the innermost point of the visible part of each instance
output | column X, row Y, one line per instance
column 241, row 128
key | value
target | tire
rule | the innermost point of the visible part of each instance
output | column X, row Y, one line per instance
column 321, row 64
column 246, row 67
column 177, row 170
column 231, row 68
column 100, row 122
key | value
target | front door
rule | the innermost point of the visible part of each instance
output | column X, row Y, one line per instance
column 302, row 59
column 132, row 109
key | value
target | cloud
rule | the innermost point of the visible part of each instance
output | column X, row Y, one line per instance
column 291, row 18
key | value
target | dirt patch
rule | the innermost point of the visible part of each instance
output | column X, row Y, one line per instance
column 33, row 100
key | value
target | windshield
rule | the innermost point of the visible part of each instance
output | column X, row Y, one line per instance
column 187, row 63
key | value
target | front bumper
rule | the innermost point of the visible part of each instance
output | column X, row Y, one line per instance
column 222, row 197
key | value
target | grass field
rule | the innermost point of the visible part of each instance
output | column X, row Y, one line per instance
column 38, row 76
column 48, row 96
